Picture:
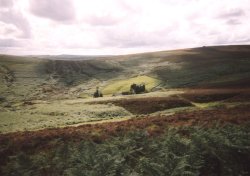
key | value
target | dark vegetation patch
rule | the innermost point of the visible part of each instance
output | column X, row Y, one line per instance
column 2, row 99
column 149, row 104
column 241, row 81
column 185, row 150
column 205, row 96
column 211, row 95
column 7, row 75
column 239, row 98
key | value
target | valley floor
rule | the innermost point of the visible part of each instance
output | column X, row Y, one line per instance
column 43, row 114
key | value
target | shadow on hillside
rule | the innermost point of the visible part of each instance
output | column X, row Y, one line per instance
column 208, row 67
column 71, row 72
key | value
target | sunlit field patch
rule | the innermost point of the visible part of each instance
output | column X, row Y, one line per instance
column 124, row 85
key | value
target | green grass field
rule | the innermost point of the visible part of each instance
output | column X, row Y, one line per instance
column 124, row 85
column 59, row 113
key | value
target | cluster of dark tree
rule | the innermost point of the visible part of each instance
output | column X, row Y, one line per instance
column 136, row 89
column 97, row 93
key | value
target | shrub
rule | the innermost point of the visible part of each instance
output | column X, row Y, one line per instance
column 181, row 151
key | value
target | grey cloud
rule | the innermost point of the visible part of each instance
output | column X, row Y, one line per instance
column 16, row 18
column 8, row 30
column 134, row 43
column 126, row 43
column 57, row 10
column 220, row 40
column 245, row 40
column 232, row 17
column 110, row 18
column 133, row 39
column 102, row 20
column 233, row 22
column 232, row 13
column 129, row 8
column 10, row 15
column 235, row 40
column 9, row 43
column 122, row 40
column 6, row 3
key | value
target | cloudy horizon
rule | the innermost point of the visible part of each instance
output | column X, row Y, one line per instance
column 80, row 27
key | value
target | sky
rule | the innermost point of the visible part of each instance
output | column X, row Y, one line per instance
column 112, row 27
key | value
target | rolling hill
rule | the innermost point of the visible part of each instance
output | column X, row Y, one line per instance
column 193, row 119
column 31, row 77
column 38, row 92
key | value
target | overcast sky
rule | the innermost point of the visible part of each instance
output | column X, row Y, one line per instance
column 103, row 27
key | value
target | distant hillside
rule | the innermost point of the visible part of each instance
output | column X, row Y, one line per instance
column 32, row 77
column 207, row 67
